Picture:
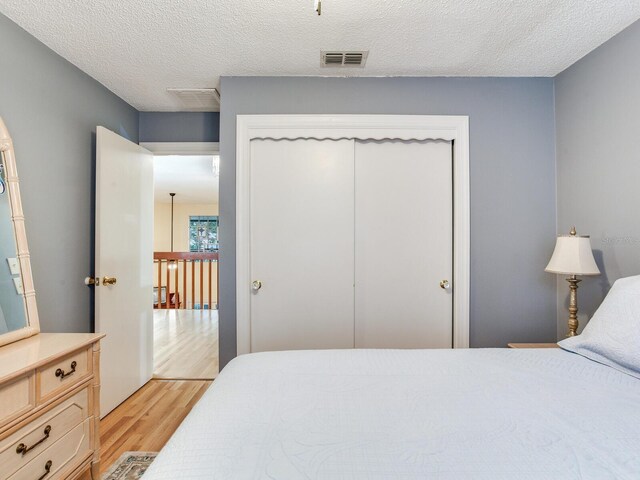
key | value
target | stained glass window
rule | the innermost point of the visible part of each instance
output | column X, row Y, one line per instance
column 203, row 233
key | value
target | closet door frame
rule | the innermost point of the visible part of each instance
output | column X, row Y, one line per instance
column 453, row 128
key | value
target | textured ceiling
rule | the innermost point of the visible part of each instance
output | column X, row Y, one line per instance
column 139, row 48
column 190, row 177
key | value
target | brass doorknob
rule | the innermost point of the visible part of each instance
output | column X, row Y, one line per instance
column 444, row 284
column 256, row 285
column 109, row 281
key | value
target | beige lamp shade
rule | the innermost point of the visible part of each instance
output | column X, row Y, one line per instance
column 573, row 256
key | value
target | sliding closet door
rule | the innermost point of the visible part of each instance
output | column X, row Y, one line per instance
column 302, row 244
column 404, row 244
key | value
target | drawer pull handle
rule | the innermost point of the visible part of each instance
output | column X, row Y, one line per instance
column 62, row 374
column 23, row 449
column 47, row 469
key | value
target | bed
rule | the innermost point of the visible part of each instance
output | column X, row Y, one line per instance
column 410, row 414
column 477, row 414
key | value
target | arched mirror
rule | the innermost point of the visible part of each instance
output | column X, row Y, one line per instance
column 18, row 311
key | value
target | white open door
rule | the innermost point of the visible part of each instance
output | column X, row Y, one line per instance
column 124, row 251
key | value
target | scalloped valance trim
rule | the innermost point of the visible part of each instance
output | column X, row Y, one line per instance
column 364, row 138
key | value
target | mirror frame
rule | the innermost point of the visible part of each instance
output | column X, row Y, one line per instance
column 17, row 216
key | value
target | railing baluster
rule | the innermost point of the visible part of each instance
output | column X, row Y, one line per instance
column 184, row 284
column 176, row 301
column 159, row 283
column 210, row 303
column 201, row 285
column 193, row 284
column 168, row 295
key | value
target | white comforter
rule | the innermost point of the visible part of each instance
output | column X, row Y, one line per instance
column 410, row 414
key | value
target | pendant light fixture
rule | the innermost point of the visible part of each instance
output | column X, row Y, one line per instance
column 172, row 265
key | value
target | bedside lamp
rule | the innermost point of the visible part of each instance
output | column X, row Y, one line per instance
column 573, row 256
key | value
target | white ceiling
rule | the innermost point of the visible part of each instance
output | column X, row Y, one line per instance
column 139, row 48
column 191, row 178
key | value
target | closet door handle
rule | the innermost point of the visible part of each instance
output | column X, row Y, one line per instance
column 444, row 284
column 256, row 285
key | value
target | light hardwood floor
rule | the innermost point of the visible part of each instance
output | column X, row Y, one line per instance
column 146, row 420
column 185, row 344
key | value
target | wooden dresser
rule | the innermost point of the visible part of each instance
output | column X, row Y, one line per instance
column 50, row 407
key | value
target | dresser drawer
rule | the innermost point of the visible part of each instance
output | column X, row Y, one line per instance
column 16, row 398
column 63, row 374
column 22, row 446
column 61, row 457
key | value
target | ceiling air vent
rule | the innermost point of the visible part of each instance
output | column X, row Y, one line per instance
column 343, row 59
column 197, row 99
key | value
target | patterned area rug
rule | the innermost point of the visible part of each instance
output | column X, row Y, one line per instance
column 130, row 466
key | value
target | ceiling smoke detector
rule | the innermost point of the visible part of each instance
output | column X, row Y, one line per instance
column 197, row 99
column 346, row 59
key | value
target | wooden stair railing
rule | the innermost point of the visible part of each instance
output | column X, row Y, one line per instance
column 193, row 286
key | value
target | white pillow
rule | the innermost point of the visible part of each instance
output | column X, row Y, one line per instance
column 612, row 336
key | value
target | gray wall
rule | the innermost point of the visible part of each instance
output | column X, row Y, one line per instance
column 51, row 109
column 513, row 191
column 598, row 158
column 179, row 126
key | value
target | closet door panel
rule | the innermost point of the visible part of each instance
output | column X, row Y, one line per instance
column 404, row 244
column 302, row 244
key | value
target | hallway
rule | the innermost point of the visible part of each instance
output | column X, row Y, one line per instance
column 185, row 344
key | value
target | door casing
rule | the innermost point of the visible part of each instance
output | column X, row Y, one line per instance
column 453, row 128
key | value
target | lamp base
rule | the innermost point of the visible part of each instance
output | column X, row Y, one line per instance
column 573, row 305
